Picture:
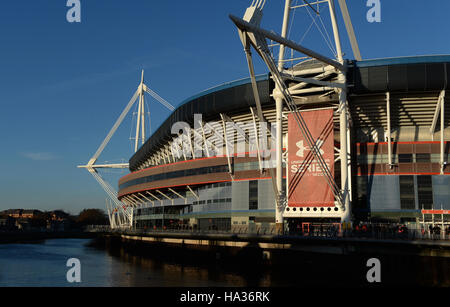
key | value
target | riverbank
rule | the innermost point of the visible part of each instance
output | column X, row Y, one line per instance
column 296, row 261
column 320, row 244
column 36, row 237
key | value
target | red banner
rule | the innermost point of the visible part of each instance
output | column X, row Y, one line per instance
column 435, row 211
column 308, row 186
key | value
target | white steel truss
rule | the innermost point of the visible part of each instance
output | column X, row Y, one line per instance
column 252, row 35
column 121, row 216
column 165, row 196
column 147, row 199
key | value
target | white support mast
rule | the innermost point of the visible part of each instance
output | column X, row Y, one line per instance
column 251, row 34
column 140, row 115
column 122, row 215
column 344, row 127
column 279, row 125
column 350, row 30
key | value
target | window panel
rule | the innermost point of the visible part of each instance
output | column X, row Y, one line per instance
column 405, row 158
column 423, row 157
column 425, row 192
column 253, row 195
column 407, row 194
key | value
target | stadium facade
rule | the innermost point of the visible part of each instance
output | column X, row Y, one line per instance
column 208, row 166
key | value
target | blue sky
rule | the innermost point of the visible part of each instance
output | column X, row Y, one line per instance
column 62, row 85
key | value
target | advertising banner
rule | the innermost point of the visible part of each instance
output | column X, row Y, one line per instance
column 307, row 185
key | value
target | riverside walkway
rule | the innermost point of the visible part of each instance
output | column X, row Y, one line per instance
column 327, row 242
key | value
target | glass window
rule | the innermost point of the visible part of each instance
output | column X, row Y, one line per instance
column 405, row 158
column 253, row 195
column 423, row 157
column 435, row 158
column 425, row 192
column 176, row 174
column 407, row 196
column 361, row 192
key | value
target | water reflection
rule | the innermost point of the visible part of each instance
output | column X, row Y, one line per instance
column 144, row 271
column 290, row 269
column 44, row 265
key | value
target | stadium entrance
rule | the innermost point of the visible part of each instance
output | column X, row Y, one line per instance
column 314, row 226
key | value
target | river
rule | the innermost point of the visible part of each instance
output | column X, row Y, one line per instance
column 43, row 264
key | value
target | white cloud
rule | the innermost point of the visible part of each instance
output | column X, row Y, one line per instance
column 39, row 156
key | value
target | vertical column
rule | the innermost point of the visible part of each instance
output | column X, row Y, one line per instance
column 343, row 124
column 279, row 126
column 142, row 109
column 442, row 133
column 143, row 119
column 388, row 111
column 349, row 164
column 138, row 121
column 343, row 121
column 227, row 149
column 140, row 115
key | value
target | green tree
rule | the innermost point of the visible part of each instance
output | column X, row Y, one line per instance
column 40, row 219
column 92, row 217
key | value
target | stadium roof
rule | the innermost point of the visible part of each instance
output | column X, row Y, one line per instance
column 415, row 73
column 404, row 60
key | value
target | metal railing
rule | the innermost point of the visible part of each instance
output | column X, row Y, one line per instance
column 97, row 228
column 365, row 231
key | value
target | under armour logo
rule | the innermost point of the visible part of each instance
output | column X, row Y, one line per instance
column 301, row 151
column 301, row 148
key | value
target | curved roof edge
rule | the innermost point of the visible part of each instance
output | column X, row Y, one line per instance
column 406, row 74
column 224, row 86
column 208, row 102
column 403, row 60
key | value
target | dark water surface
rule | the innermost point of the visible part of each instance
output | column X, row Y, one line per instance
column 44, row 265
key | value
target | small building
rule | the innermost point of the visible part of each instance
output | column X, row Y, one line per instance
column 22, row 213
column 29, row 214
column 15, row 213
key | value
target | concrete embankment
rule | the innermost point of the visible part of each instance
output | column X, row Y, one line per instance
column 292, row 260
column 270, row 243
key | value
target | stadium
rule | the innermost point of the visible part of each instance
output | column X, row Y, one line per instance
column 329, row 141
column 174, row 186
